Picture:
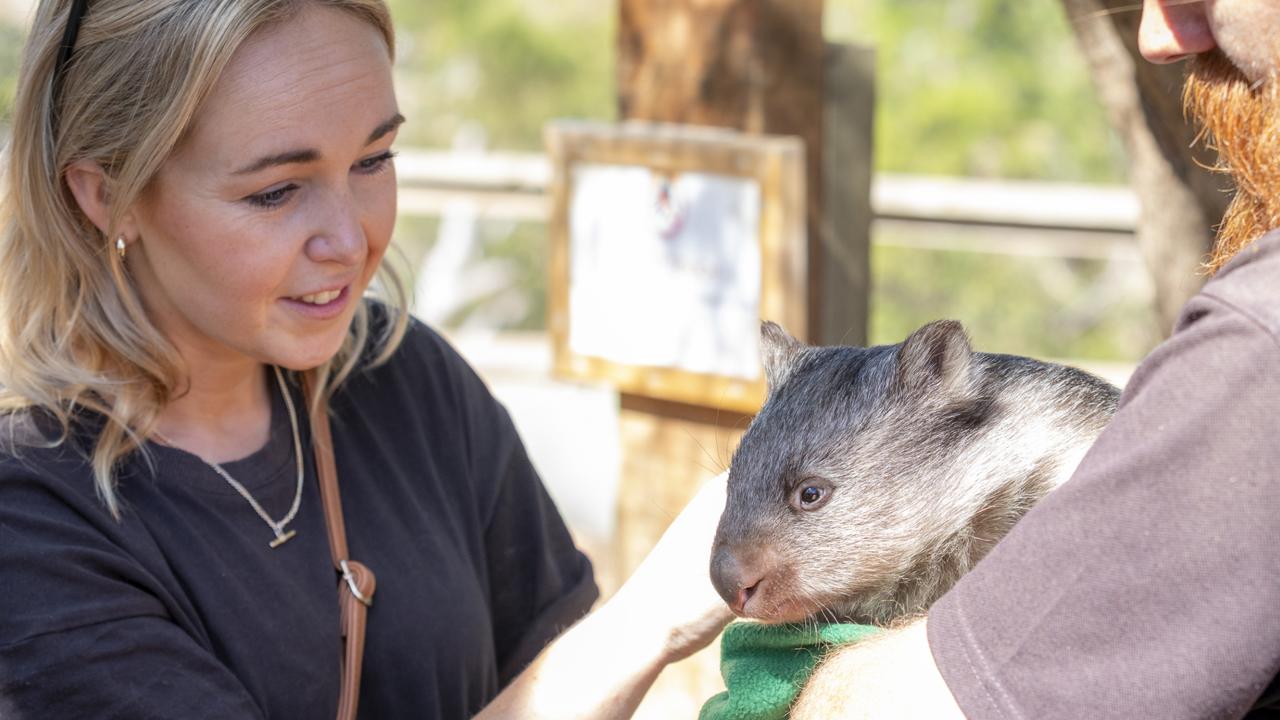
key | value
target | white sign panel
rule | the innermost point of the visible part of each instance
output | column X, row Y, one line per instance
column 665, row 270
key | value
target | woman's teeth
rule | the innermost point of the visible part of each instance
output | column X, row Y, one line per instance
column 320, row 298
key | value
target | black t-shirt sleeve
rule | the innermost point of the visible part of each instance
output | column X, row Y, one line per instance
column 82, row 633
column 1149, row 584
column 131, row 668
column 539, row 582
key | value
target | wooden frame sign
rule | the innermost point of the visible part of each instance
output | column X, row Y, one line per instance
column 669, row 244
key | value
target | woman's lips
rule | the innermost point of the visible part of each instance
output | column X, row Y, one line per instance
column 320, row 311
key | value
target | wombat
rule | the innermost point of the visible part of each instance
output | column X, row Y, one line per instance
column 873, row 478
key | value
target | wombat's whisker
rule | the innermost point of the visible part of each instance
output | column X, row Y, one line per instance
column 717, row 466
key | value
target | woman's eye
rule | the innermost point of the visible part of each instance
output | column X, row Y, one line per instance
column 272, row 198
column 375, row 164
column 279, row 196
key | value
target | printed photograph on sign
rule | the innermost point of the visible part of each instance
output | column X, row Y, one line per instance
column 665, row 269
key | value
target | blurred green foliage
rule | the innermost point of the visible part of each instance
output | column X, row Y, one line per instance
column 10, row 47
column 966, row 87
column 987, row 88
column 507, row 66
column 1040, row 306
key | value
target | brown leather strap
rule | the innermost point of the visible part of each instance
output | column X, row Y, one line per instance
column 356, row 582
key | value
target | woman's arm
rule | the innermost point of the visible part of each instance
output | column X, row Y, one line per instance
column 666, row 611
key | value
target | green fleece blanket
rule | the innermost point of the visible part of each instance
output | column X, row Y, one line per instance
column 765, row 666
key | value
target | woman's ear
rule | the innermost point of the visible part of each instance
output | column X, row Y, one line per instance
column 91, row 188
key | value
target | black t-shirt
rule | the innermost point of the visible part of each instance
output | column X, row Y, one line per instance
column 1147, row 586
column 182, row 610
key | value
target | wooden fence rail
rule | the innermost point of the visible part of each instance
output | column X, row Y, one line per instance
column 1063, row 219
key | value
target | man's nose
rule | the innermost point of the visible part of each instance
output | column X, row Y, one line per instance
column 1174, row 29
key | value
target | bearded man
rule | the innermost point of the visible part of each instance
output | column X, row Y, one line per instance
column 1148, row 586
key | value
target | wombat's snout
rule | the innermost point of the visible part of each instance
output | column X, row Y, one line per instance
column 735, row 582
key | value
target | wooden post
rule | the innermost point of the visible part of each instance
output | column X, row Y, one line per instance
column 844, row 234
column 759, row 66
column 752, row 65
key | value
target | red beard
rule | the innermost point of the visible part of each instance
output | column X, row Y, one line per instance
column 1240, row 120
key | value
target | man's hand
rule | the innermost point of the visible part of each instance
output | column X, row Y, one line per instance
column 889, row 676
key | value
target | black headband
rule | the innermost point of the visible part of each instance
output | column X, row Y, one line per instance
column 78, row 10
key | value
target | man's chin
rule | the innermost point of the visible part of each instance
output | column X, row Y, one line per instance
column 1239, row 119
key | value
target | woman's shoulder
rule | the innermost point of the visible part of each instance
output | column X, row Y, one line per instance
column 34, row 443
column 45, row 472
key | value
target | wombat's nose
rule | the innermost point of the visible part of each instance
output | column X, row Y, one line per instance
column 739, row 603
column 735, row 582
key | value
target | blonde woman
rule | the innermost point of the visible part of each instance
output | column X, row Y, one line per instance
column 197, row 196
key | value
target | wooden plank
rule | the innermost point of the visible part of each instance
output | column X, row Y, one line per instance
column 844, row 258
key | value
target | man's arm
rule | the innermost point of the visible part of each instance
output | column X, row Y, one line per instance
column 1144, row 586
column 889, row 676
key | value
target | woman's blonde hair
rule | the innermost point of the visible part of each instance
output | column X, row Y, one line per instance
column 73, row 333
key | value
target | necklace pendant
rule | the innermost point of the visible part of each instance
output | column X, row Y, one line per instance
column 282, row 538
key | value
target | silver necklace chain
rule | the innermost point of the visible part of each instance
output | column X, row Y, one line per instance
column 276, row 527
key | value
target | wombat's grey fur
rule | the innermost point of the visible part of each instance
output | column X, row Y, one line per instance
column 873, row 478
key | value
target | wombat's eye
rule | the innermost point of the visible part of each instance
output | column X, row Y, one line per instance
column 811, row 494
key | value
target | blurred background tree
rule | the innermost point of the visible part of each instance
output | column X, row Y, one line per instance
column 10, row 45
column 978, row 88
column 501, row 67
column 982, row 88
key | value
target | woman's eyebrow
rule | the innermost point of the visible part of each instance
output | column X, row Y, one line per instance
column 284, row 158
column 385, row 128
column 310, row 155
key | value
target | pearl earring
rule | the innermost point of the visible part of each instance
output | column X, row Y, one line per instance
column 120, row 247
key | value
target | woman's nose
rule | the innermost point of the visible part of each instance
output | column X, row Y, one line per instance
column 341, row 239
column 1174, row 29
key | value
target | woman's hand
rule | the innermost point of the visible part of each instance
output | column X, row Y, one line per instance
column 603, row 666
column 671, row 591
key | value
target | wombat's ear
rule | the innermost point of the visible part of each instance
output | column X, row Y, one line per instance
column 778, row 351
column 936, row 358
